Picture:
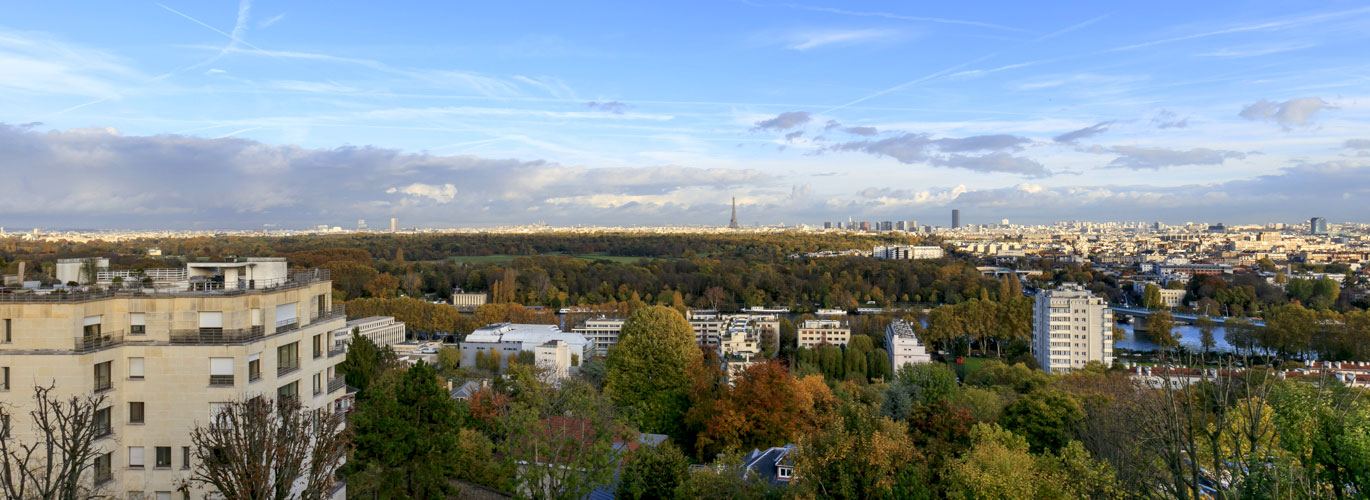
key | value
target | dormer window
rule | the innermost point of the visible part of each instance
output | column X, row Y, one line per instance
column 784, row 472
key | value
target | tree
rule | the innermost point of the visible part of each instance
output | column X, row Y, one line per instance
column 449, row 358
column 559, row 440
column 648, row 373
column 363, row 363
column 653, row 472
column 1206, row 326
column 1151, row 297
column 57, row 463
column 713, row 295
column 767, row 399
column 406, row 437
column 269, row 450
column 1160, row 326
column 997, row 466
column 1047, row 418
column 859, row 455
column 383, row 286
column 922, row 383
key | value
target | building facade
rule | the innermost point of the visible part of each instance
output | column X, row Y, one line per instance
column 166, row 359
column 907, row 252
column 1070, row 327
column 815, row 332
column 904, row 346
column 467, row 301
column 381, row 330
column 508, row 339
column 602, row 331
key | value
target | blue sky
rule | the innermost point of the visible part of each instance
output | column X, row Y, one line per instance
column 238, row 115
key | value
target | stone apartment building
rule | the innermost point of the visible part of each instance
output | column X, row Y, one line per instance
column 166, row 356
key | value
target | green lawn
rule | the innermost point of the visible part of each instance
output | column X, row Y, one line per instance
column 486, row 259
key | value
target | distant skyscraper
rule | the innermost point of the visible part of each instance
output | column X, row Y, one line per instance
column 361, row 224
column 733, row 224
column 865, row 226
column 827, row 225
column 955, row 218
column 394, row 224
column 886, row 225
column 1317, row 225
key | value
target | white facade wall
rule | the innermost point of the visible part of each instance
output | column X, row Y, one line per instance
column 1071, row 327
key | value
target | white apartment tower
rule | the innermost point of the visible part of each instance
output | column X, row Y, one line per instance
column 904, row 346
column 1071, row 327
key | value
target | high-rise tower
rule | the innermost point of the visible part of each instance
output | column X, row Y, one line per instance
column 733, row 224
column 955, row 218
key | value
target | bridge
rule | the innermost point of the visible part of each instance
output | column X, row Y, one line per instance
column 1186, row 318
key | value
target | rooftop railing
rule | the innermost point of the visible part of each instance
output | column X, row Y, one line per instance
column 295, row 279
column 217, row 335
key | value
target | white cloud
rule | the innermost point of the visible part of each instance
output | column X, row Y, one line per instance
column 814, row 39
column 441, row 194
column 1294, row 112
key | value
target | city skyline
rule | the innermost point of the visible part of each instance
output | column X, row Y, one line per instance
column 223, row 118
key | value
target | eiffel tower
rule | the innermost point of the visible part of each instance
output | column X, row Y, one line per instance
column 734, row 224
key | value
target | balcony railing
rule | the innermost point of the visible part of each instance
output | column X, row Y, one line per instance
column 335, row 312
column 336, row 384
column 287, row 368
column 221, row 380
column 101, row 341
column 337, row 351
column 287, row 325
column 216, row 335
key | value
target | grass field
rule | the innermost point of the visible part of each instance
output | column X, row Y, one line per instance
column 485, row 259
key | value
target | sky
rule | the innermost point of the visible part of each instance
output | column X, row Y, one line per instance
column 223, row 115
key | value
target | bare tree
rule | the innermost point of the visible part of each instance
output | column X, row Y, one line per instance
column 259, row 450
column 53, row 466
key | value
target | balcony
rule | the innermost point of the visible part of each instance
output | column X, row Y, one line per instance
column 328, row 314
column 101, row 341
column 337, row 351
column 221, row 380
column 287, row 325
column 296, row 279
column 286, row 369
column 336, row 384
column 216, row 335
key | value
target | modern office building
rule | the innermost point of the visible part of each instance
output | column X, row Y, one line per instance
column 167, row 358
column 955, row 218
column 381, row 330
column 1070, row 327
column 904, row 346
column 1317, row 225
column 506, row 339
column 816, row 332
column 467, row 301
column 394, row 224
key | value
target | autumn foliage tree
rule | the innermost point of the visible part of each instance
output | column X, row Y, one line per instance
column 648, row 372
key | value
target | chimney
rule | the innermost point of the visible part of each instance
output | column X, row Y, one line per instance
column 449, row 385
column 21, row 273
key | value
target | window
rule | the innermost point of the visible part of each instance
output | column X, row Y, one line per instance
column 784, row 472
column 318, row 346
column 318, row 383
column 164, row 495
column 285, row 316
column 9, row 337
column 185, row 457
column 137, row 324
column 256, row 320
column 211, row 322
column 220, row 371
column 5, row 379
column 164, row 457
column 135, row 457
column 135, row 368
column 102, row 378
column 103, row 470
column 254, row 367
column 91, row 327
column 288, row 391
column 102, row 422
column 287, row 358
column 135, row 412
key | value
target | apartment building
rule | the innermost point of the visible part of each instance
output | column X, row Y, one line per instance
column 166, row 358
column 1070, row 327
column 602, row 331
column 381, row 330
column 816, row 332
column 904, row 346
column 558, row 351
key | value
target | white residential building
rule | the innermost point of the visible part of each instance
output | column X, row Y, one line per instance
column 1070, row 327
column 467, row 302
column 381, row 330
column 904, row 346
column 816, row 332
column 602, row 331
